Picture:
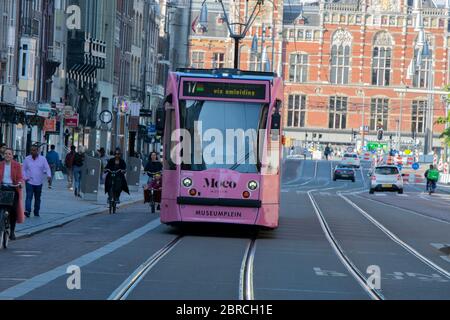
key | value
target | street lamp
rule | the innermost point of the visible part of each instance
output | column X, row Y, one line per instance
column 361, row 93
column 236, row 36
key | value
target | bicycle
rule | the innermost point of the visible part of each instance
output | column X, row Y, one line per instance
column 112, row 192
column 431, row 187
column 153, row 195
column 7, row 197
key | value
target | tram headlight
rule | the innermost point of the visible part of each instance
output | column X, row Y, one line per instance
column 187, row 182
column 253, row 185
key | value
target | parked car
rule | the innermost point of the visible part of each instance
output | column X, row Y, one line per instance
column 386, row 178
column 351, row 159
column 344, row 172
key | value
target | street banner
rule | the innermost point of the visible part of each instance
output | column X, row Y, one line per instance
column 44, row 110
column 71, row 122
column 50, row 125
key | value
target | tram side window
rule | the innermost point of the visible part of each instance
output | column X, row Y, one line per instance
column 169, row 145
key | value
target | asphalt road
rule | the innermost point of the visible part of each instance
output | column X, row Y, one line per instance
column 332, row 241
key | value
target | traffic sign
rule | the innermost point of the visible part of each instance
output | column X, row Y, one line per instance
column 416, row 166
column 151, row 130
column 350, row 149
column 105, row 117
column 407, row 152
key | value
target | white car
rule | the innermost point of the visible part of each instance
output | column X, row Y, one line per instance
column 386, row 178
column 351, row 159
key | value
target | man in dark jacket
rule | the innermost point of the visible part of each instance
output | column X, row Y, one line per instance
column 120, row 182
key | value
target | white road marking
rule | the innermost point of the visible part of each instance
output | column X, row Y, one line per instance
column 439, row 246
column 380, row 194
column 45, row 278
column 328, row 273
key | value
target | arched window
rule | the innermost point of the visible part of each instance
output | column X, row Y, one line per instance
column 381, row 59
column 340, row 57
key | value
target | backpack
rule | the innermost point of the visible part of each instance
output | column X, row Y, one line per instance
column 69, row 159
column 78, row 160
column 433, row 175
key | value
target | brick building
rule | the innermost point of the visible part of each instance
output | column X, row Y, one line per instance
column 345, row 64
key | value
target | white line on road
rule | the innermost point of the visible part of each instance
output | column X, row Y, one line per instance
column 397, row 239
column 45, row 278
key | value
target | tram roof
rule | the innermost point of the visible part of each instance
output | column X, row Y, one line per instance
column 226, row 73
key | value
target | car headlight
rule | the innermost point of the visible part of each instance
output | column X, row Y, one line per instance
column 253, row 185
column 187, row 182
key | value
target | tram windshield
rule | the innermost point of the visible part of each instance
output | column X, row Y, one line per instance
column 223, row 135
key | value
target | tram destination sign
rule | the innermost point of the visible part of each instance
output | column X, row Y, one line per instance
column 225, row 90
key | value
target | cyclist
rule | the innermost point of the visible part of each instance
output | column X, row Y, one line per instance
column 11, row 174
column 116, row 164
column 432, row 176
column 156, row 186
column 153, row 166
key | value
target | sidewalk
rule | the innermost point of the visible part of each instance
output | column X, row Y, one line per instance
column 60, row 206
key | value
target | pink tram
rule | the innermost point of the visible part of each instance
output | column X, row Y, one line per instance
column 221, row 133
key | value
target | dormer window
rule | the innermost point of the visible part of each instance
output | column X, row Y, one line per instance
column 201, row 29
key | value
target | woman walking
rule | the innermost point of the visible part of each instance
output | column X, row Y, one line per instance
column 11, row 174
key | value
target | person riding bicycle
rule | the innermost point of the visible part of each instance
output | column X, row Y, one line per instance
column 11, row 174
column 116, row 164
column 153, row 166
column 156, row 186
column 432, row 176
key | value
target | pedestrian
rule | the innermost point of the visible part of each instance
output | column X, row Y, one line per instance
column 68, row 162
column 78, row 161
column 11, row 174
column 2, row 151
column 53, row 161
column 35, row 169
column 327, row 151
column 104, row 161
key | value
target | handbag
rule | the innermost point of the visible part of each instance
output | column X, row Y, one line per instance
column 59, row 175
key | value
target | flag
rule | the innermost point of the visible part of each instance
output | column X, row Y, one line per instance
column 193, row 24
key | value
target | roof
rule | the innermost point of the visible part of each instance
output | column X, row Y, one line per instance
column 222, row 73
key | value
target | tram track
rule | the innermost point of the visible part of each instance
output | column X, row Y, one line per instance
column 396, row 239
column 354, row 270
column 348, row 264
column 246, row 290
column 127, row 287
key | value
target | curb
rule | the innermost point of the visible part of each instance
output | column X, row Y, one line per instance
column 62, row 222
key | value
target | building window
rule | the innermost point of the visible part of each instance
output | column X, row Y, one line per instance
column 218, row 60
column 422, row 74
column 379, row 113
column 340, row 57
column 381, row 59
column 296, row 111
column 298, row 67
column 198, row 59
column 337, row 113
column 418, row 116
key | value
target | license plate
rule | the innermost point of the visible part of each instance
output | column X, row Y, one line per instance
column 344, row 175
column 387, row 185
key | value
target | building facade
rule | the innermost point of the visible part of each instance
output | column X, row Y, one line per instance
column 350, row 68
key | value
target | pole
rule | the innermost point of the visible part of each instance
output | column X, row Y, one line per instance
column 428, row 143
column 236, row 52
column 400, row 121
column 263, row 31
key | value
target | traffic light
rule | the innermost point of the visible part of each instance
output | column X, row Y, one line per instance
column 380, row 134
